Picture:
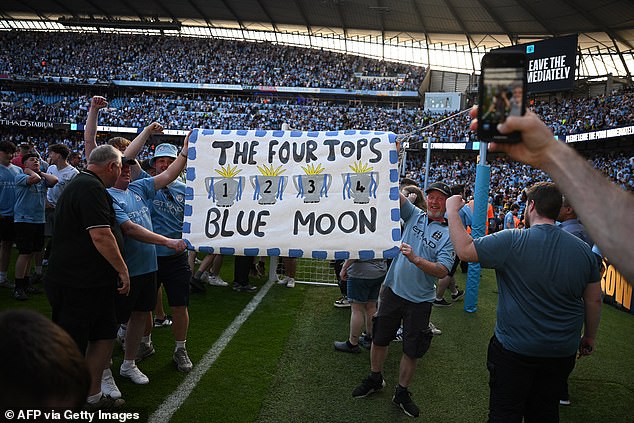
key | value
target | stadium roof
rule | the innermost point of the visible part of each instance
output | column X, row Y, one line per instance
column 604, row 25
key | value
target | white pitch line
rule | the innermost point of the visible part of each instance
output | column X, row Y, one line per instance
column 172, row 403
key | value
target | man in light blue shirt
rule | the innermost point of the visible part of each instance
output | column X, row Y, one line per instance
column 28, row 218
column 409, row 293
column 132, row 205
column 8, row 171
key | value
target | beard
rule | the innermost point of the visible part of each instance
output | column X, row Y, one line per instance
column 527, row 221
column 435, row 214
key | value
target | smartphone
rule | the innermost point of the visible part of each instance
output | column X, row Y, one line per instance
column 502, row 93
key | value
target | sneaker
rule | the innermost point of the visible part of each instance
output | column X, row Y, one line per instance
column 434, row 329
column 283, row 281
column 458, row 295
column 20, row 295
column 564, row 398
column 399, row 335
column 144, row 351
column 244, row 288
column 196, row 285
column 7, row 284
column 108, row 385
column 365, row 341
column 164, row 322
column 343, row 346
column 342, row 302
column 215, row 280
column 441, row 303
column 290, row 283
column 367, row 387
column 105, row 403
column 403, row 398
column 134, row 374
column 183, row 363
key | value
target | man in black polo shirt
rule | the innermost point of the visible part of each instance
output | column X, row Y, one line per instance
column 86, row 269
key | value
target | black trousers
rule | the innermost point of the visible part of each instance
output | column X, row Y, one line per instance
column 525, row 387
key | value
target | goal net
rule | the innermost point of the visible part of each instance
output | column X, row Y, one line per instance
column 309, row 271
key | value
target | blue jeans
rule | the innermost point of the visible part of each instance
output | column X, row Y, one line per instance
column 523, row 386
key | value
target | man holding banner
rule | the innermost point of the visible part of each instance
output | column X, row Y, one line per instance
column 409, row 293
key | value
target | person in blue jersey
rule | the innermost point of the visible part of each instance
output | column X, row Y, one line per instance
column 173, row 269
column 8, row 172
column 509, row 217
column 29, row 219
column 409, row 293
column 548, row 290
column 132, row 202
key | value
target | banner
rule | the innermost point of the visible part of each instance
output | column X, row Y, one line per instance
column 326, row 195
column 616, row 290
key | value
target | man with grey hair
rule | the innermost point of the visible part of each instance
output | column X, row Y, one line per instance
column 86, row 269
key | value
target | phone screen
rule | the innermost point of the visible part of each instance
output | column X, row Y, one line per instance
column 502, row 94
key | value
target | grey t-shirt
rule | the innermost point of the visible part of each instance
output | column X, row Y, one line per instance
column 367, row 269
column 541, row 273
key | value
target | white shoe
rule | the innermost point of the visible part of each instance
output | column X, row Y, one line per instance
column 108, row 386
column 290, row 283
column 134, row 374
column 434, row 329
column 215, row 280
column 283, row 281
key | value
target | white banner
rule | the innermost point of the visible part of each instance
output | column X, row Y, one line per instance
column 291, row 193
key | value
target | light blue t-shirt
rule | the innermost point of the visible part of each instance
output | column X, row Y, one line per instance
column 541, row 273
column 7, row 188
column 430, row 240
column 30, row 200
column 168, row 210
column 134, row 204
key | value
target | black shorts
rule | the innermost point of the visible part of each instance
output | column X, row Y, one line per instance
column 29, row 237
column 142, row 296
column 174, row 273
column 415, row 316
column 7, row 229
column 87, row 314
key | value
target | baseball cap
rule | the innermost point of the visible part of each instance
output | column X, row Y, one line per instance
column 439, row 186
column 164, row 150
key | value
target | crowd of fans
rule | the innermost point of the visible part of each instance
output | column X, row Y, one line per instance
column 108, row 57
column 201, row 110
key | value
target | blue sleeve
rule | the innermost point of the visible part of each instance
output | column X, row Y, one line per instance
column 120, row 215
column 21, row 178
column 407, row 210
column 494, row 249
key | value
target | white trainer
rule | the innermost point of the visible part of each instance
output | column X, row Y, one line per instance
column 215, row 280
column 434, row 329
column 108, row 385
column 290, row 283
column 134, row 374
column 283, row 281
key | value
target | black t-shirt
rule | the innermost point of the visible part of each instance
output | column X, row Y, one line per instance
column 74, row 259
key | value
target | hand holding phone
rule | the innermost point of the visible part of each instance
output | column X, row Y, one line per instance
column 502, row 93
